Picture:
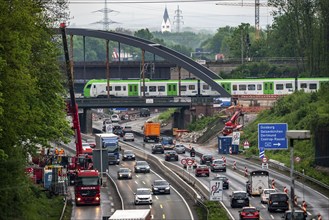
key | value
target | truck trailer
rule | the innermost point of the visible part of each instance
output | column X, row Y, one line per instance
column 111, row 143
column 132, row 214
column 151, row 131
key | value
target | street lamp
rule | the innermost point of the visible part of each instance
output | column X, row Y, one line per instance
column 294, row 135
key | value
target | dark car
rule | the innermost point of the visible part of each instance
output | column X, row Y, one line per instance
column 239, row 199
column 298, row 214
column 128, row 155
column 206, row 159
column 144, row 112
column 171, row 155
column 226, row 184
column 157, row 148
column 218, row 165
column 278, row 201
column 142, row 167
column 160, row 186
column 167, row 143
column 249, row 213
column 118, row 131
column 124, row 173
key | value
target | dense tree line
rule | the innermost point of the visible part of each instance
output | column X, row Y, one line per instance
column 31, row 97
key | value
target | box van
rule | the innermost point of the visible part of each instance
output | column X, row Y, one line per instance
column 278, row 201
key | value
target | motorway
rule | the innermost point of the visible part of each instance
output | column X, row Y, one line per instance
column 174, row 206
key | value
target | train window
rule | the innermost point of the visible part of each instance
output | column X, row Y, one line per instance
column 191, row 87
column 251, row 87
column 205, row 87
column 174, row 87
column 288, row 85
column 235, row 87
column 259, row 86
column 161, row 89
column 107, row 88
column 303, row 85
column 313, row 86
column 279, row 86
column 182, row 88
column 124, row 88
column 152, row 88
column 117, row 88
column 142, row 88
column 242, row 87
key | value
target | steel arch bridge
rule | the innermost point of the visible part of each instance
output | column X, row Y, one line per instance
column 179, row 59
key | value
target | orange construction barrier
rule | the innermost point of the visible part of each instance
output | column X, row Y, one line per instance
column 304, row 207
column 273, row 184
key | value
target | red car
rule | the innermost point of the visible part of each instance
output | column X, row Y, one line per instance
column 249, row 213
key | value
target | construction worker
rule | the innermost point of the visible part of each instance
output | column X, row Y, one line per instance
column 61, row 152
column 56, row 152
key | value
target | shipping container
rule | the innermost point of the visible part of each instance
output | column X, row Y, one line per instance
column 224, row 145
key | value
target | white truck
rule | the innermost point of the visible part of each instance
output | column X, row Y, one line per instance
column 111, row 143
column 132, row 214
column 258, row 181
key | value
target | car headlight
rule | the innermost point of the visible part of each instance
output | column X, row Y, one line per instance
column 155, row 188
column 120, row 174
column 124, row 155
column 137, row 168
column 147, row 168
column 132, row 155
column 167, row 188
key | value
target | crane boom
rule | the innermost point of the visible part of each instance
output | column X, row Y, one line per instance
column 73, row 107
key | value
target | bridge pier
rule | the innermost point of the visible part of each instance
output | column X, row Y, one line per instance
column 85, row 119
column 179, row 118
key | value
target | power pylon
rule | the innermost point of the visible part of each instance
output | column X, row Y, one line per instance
column 178, row 19
column 257, row 5
column 106, row 21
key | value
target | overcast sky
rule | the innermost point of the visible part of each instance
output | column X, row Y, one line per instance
column 196, row 14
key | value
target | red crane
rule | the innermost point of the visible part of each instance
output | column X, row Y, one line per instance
column 233, row 123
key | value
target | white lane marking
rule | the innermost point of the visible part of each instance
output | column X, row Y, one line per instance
column 156, row 197
column 143, row 182
column 136, row 182
column 272, row 216
column 163, row 216
column 263, row 206
column 152, row 216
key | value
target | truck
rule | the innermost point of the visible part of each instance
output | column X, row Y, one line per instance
column 109, row 141
column 257, row 182
column 132, row 214
column 151, row 131
column 87, row 187
column 144, row 112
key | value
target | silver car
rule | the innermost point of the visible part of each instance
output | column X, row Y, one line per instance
column 180, row 148
column 143, row 196
column 265, row 195
column 124, row 173
column 142, row 167
column 128, row 137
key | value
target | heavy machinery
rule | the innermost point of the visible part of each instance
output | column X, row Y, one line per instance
column 80, row 165
column 233, row 124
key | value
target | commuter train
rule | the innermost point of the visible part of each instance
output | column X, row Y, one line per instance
column 98, row 88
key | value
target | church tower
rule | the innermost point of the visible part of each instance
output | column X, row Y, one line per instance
column 166, row 25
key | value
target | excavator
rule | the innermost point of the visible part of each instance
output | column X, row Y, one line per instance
column 233, row 124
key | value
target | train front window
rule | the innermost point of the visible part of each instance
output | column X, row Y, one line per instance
column 313, row 86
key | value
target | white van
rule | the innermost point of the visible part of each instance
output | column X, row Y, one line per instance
column 115, row 118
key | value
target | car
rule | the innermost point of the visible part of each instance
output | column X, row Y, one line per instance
column 202, row 170
column 115, row 118
column 249, row 213
column 206, row 159
column 226, row 184
column 278, row 201
column 157, row 148
column 180, row 148
column 171, row 155
column 128, row 155
column 127, row 129
column 298, row 215
column 167, row 143
column 265, row 194
column 218, row 165
column 124, row 173
column 128, row 137
column 143, row 196
column 118, row 131
column 144, row 112
column 161, row 187
column 142, row 167
column 239, row 199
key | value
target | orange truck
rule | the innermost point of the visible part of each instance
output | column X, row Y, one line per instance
column 151, row 131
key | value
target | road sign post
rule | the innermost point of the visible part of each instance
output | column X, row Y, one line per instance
column 272, row 136
column 216, row 190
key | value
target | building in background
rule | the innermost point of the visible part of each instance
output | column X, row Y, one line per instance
column 166, row 25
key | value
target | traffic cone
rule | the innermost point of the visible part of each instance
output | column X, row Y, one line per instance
column 295, row 201
column 234, row 165
column 304, row 207
column 273, row 184
column 245, row 171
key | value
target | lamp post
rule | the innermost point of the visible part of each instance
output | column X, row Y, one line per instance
column 294, row 135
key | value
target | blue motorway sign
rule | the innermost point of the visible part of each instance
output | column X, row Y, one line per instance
column 272, row 136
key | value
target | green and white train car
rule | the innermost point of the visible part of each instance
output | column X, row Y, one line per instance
column 163, row 88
